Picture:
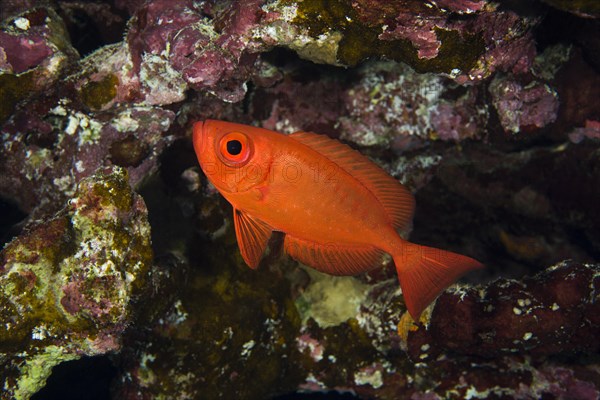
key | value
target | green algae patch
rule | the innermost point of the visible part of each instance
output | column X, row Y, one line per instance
column 96, row 94
column 321, row 16
column 37, row 369
column 13, row 89
column 360, row 41
column 67, row 284
column 113, row 192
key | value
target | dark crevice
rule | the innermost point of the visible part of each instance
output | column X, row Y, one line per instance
column 87, row 378
column 10, row 218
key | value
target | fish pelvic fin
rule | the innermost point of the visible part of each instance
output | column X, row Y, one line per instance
column 252, row 236
column 425, row 272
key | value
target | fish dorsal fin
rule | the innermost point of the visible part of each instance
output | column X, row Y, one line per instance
column 333, row 258
column 396, row 199
column 252, row 237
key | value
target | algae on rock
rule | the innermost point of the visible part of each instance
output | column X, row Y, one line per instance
column 67, row 284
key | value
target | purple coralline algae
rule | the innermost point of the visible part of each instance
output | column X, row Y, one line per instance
column 381, row 107
column 214, row 47
column 200, row 45
column 45, row 153
column 487, row 111
column 521, row 107
column 68, row 283
column 591, row 130
column 389, row 104
column 67, row 131
column 34, row 49
column 468, row 49
column 554, row 312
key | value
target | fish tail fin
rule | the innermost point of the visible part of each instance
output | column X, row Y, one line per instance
column 424, row 272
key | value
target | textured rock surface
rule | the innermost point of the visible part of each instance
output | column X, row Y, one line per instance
column 68, row 283
column 113, row 106
column 553, row 312
column 487, row 111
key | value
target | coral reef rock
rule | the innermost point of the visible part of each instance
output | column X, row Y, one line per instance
column 487, row 111
column 556, row 312
column 68, row 283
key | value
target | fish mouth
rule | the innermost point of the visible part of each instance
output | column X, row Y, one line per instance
column 198, row 137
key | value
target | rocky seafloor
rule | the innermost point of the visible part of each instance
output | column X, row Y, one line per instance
column 120, row 275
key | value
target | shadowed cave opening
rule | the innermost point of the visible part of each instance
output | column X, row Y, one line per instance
column 10, row 218
column 87, row 378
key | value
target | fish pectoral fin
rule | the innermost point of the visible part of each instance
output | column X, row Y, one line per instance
column 252, row 237
column 333, row 258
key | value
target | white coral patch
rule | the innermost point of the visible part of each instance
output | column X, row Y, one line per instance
column 22, row 23
column 369, row 376
column 247, row 348
column 124, row 122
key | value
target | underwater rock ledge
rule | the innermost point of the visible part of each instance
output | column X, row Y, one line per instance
column 555, row 312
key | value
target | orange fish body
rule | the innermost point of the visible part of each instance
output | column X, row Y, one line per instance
column 338, row 210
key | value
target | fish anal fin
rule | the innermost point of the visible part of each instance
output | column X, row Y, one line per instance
column 397, row 200
column 424, row 272
column 252, row 236
column 332, row 258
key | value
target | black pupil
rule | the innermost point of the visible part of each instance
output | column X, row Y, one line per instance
column 234, row 147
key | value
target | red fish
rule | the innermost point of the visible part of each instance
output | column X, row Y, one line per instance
column 338, row 210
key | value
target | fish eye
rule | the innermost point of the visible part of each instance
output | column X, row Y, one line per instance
column 235, row 149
